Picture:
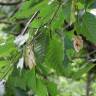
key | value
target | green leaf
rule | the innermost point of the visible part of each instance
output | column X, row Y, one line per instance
column 30, row 78
column 5, row 50
column 52, row 88
column 55, row 54
column 58, row 21
column 4, row 63
column 20, row 92
column 41, row 88
column 67, row 10
column 83, row 70
column 41, row 46
column 36, row 23
column 80, row 5
column 16, row 80
column 45, row 10
column 87, row 28
column 28, row 8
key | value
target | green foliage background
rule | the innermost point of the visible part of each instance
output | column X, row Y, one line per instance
column 59, row 70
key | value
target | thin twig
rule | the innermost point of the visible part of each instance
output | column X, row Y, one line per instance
column 55, row 13
column 37, row 33
column 3, row 17
column 31, row 19
column 84, row 56
column 6, row 22
column 10, row 4
column 94, row 51
column 48, row 23
column 88, row 83
column 7, row 71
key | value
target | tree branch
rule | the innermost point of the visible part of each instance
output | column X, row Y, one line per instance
column 10, row 4
column 3, row 17
column 88, row 83
column 31, row 19
column 5, row 22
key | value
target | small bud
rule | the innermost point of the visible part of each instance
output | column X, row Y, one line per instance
column 20, row 63
column 78, row 43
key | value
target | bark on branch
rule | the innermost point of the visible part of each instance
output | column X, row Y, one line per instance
column 10, row 4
